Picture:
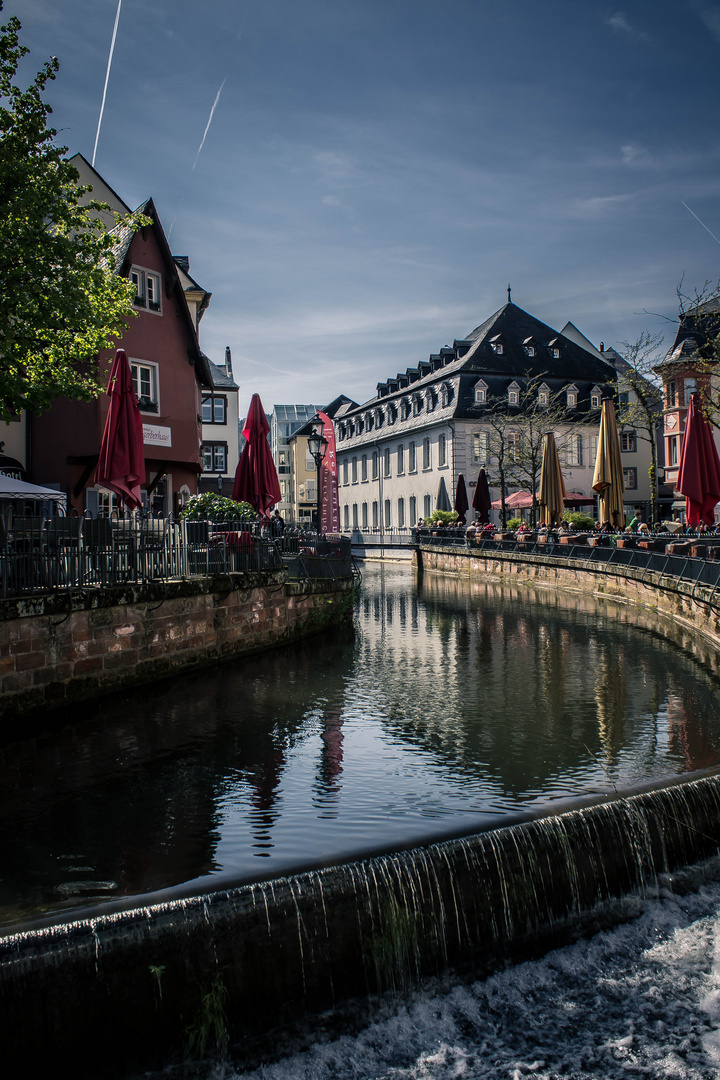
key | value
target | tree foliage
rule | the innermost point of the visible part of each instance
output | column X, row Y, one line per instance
column 61, row 299
column 640, row 399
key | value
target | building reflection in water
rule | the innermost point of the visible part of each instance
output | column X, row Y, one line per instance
column 454, row 702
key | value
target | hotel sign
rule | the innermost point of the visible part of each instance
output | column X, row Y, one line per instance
column 157, row 436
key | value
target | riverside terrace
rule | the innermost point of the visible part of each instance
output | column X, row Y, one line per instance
column 39, row 555
column 692, row 559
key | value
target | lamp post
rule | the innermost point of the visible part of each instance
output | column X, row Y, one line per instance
column 317, row 445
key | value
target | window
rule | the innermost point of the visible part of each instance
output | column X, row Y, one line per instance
column 628, row 442
column 417, row 404
column 573, row 454
column 431, row 399
column 481, row 390
column 401, row 513
column 630, row 479
column 427, row 506
column 360, row 425
column 413, row 510
column 671, row 395
column 144, row 377
column 375, row 465
column 592, row 444
column 556, row 354
column 147, row 288
column 354, row 470
column 386, row 457
column 355, row 516
column 364, row 516
column 215, row 457
column 387, row 514
column 412, row 464
column 544, row 395
column 572, row 394
column 404, row 409
column 392, row 414
column 690, row 388
column 442, row 450
column 480, row 447
column 513, row 445
column 426, row 453
column 595, row 398
column 363, row 467
column 624, row 398
column 369, row 422
column 214, row 409
column 446, row 392
column 346, row 515
column 400, row 459
column 345, row 473
column 673, row 449
column 379, row 417
column 376, row 521
column 513, row 393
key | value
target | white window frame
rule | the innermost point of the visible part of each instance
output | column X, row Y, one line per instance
column 138, row 368
column 148, row 289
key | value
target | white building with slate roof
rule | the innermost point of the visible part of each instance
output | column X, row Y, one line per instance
column 429, row 423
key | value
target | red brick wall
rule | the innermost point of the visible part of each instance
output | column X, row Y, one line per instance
column 48, row 657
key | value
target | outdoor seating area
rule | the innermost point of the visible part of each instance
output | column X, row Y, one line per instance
column 39, row 554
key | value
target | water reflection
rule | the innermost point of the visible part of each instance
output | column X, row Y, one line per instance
column 453, row 705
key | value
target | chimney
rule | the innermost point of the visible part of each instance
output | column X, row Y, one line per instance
column 602, row 346
column 228, row 362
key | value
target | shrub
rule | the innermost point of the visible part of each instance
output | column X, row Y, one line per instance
column 580, row 520
column 442, row 517
column 213, row 507
column 513, row 524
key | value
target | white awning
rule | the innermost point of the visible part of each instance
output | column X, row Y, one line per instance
column 20, row 489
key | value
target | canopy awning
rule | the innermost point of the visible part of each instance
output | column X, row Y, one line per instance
column 20, row 489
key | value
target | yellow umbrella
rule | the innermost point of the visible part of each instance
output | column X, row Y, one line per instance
column 552, row 486
column 608, row 475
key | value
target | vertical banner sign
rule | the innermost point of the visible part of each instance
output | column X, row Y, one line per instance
column 329, row 499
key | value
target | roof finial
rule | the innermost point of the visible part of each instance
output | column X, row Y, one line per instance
column 509, row 292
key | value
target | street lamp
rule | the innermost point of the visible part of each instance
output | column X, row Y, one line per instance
column 317, row 445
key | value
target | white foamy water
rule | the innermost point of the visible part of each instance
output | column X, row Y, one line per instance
column 642, row 999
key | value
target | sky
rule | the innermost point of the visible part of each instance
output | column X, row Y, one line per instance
column 357, row 181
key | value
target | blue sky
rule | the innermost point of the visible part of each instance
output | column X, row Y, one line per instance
column 377, row 171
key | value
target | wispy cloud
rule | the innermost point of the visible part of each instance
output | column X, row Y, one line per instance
column 709, row 14
column 621, row 25
column 599, row 205
column 634, row 155
column 207, row 126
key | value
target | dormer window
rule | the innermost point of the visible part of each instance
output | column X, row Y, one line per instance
column 369, row 421
column 595, row 397
column 379, row 417
column 360, row 425
column 446, row 394
column 431, row 399
column 572, row 394
column 147, row 288
column 544, row 395
column 513, row 394
column 529, row 346
column 554, row 347
column 481, row 389
column 404, row 409
column 497, row 345
column 556, row 354
column 417, row 404
column 392, row 414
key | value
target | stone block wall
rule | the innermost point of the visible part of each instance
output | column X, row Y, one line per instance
column 62, row 648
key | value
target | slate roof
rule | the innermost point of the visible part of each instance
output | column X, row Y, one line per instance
column 220, row 379
column 475, row 357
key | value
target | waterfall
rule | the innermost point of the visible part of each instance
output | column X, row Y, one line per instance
column 126, row 988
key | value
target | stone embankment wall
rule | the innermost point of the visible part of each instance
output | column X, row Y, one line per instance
column 686, row 613
column 60, row 648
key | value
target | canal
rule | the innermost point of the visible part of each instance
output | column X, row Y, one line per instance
column 452, row 708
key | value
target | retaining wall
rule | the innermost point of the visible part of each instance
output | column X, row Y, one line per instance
column 675, row 608
column 60, row 648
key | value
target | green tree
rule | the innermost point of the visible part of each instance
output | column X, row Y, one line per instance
column 61, row 298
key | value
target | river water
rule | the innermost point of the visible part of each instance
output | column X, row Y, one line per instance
column 450, row 709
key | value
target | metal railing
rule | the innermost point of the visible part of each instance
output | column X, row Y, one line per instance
column 39, row 555
column 696, row 569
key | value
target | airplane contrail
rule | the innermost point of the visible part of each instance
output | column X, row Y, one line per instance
column 207, row 126
column 107, row 76
column 701, row 222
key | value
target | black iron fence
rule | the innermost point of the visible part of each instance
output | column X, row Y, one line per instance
column 39, row 555
column 692, row 559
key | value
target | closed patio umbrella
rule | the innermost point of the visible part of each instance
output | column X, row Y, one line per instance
column 699, row 474
column 481, row 499
column 256, row 479
column 461, row 499
column 608, row 475
column 443, row 499
column 121, row 465
column 552, row 486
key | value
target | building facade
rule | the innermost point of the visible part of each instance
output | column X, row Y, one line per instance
column 429, row 425
column 220, row 430
column 292, row 469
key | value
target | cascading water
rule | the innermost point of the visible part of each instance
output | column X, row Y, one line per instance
column 288, row 948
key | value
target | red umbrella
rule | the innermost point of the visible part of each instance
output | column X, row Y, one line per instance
column 121, row 465
column 699, row 475
column 256, row 479
column 519, row 500
column 481, row 498
column 461, row 500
